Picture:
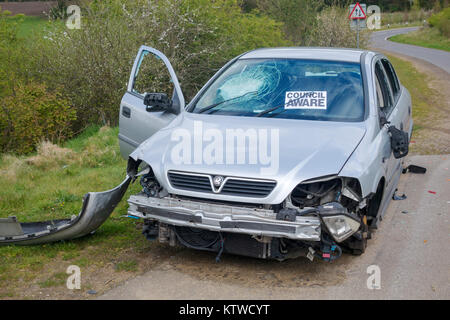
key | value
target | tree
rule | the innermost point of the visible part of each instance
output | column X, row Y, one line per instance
column 298, row 16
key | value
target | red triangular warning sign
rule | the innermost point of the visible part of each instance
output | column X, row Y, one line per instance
column 357, row 12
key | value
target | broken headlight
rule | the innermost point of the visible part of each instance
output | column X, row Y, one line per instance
column 150, row 185
column 338, row 222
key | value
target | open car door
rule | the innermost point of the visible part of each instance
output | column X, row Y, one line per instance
column 152, row 76
column 151, row 73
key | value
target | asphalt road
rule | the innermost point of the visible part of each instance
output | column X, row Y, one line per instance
column 439, row 58
column 410, row 248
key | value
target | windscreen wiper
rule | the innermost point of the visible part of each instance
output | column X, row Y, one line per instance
column 219, row 103
column 270, row 110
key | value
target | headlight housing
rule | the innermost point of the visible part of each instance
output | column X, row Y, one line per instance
column 338, row 222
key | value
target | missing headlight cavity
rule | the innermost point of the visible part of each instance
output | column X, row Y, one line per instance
column 346, row 191
column 150, row 185
column 316, row 193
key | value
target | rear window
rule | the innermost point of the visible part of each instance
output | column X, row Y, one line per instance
column 289, row 88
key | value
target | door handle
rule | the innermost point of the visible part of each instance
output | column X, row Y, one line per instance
column 126, row 112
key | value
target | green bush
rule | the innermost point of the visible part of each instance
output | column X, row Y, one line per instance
column 8, row 49
column 93, row 64
column 333, row 30
column 32, row 114
column 298, row 17
column 441, row 21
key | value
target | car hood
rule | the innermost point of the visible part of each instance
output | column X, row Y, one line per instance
column 296, row 150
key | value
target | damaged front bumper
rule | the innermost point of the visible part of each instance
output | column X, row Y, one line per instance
column 224, row 218
column 97, row 207
column 245, row 229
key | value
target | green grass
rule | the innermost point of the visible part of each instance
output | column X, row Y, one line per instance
column 28, row 26
column 416, row 83
column 44, row 186
column 55, row 280
column 130, row 265
column 426, row 37
column 427, row 108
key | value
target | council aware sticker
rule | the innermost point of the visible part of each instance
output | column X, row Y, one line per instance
column 315, row 100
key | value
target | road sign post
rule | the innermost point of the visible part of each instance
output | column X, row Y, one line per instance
column 357, row 18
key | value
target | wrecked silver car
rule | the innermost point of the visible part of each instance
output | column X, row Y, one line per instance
column 284, row 152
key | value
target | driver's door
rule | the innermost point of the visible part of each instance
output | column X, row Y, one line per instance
column 152, row 72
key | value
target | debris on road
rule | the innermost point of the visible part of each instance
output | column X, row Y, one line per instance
column 396, row 197
column 414, row 169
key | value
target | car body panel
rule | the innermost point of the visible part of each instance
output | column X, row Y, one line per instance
column 318, row 53
column 223, row 217
column 305, row 149
column 134, row 120
column 97, row 207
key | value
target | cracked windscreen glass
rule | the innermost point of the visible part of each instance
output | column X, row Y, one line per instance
column 287, row 88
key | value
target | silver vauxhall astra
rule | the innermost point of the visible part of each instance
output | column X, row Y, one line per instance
column 284, row 152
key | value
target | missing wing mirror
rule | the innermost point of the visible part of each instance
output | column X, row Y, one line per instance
column 156, row 102
column 383, row 117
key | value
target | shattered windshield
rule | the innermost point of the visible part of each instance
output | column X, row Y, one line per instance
column 287, row 88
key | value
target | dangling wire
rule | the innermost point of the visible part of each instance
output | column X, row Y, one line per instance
column 222, row 242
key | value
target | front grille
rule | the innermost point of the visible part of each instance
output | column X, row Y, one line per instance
column 246, row 188
column 232, row 186
column 190, row 182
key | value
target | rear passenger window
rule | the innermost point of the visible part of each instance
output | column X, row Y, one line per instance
column 392, row 77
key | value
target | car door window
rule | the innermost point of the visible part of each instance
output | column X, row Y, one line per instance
column 380, row 102
column 392, row 77
column 386, row 103
column 151, row 75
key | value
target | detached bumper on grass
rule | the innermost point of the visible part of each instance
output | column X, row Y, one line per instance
column 97, row 207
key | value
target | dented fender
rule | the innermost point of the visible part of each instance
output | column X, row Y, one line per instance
column 96, row 208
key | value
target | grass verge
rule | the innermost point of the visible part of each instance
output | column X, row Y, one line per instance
column 428, row 108
column 425, row 37
column 49, row 185
column 421, row 94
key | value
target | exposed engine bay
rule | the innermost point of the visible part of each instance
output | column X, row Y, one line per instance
column 320, row 218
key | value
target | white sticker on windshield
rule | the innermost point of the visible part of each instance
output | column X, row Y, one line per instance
column 306, row 100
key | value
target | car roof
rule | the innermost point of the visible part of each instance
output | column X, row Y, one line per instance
column 316, row 53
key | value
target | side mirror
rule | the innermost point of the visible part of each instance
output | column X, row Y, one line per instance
column 399, row 142
column 157, row 102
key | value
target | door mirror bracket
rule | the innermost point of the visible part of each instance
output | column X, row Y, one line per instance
column 383, row 118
